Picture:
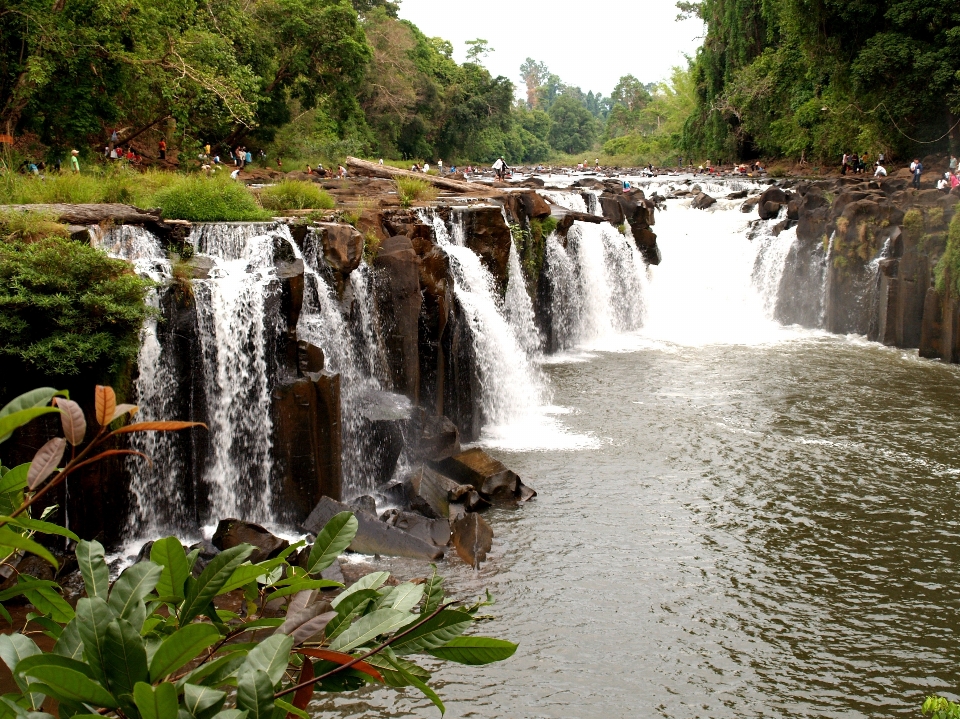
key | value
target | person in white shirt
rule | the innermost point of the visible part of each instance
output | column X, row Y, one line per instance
column 881, row 171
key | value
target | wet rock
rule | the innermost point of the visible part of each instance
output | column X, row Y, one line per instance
column 366, row 504
column 488, row 475
column 29, row 565
column 432, row 438
column 590, row 183
column 394, row 493
column 144, row 553
column 385, row 416
column 397, row 287
column 429, row 491
column 534, row 206
column 207, row 552
column 748, row 206
column 703, row 201
column 611, row 209
column 234, row 532
column 472, row 538
column 309, row 358
column 73, row 587
column 342, row 246
column 373, row 536
column 534, row 182
column 738, row 195
column 770, row 202
column 199, row 267
column 433, row 531
column 487, row 234
column 307, row 440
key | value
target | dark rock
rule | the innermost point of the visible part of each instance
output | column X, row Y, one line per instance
column 309, row 358
column 386, row 416
column 144, row 554
column 488, row 475
column 73, row 587
column 433, row 531
column 472, row 538
column 234, row 532
column 738, row 195
column 428, row 492
column 366, row 503
column 394, row 493
column 487, row 234
column 534, row 206
column 611, row 209
column 703, row 201
column 748, row 206
column 433, row 438
column 199, row 267
column 769, row 210
column 373, row 536
column 770, row 202
column 307, row 441
column 342, row 246
column 397, row 287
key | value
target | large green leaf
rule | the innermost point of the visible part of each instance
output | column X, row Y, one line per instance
column 67, row 680
column 15, row 479
column 474, row 650
column 332, row 540
column 9, row 538
column 13, row 648
column 434, row 633
column 156, row 703
column 230, row 714
column 39, row 526
column 202, row 702
column 270, row 656
column 39, row 397
column 368, row 628
column 386, row 663
column 93, row 567
column 433, row 591
column 246, row 573
column 135, row 583
column 403, row 598
column 70, row 644
column 374, row 580
column 215, row 673
column 17, row 710
column 211, row 580
column 348, row 610
column 169, row 554
column 125, row 656
column 183, row 646
column 95, row 616
column 255, row 694
column 46, row 599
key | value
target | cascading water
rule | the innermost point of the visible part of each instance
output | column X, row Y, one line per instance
column 352, row 350
column 568, row 200
column 519, row 308
column 234, row 323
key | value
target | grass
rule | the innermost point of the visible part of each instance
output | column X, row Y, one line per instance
column 296, row 195
column 410, row 190
column 947, row 272
column 209, row 199
column 30, row 226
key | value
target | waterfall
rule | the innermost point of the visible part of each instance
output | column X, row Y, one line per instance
column 351, row 349
column 136, row 245
column 235, row 320
column 568, row 200
column 597, row 285
column 769, row 266
column 519, row 308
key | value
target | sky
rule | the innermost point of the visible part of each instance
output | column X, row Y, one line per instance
column 588, row 45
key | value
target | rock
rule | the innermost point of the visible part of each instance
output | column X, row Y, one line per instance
column 429, row 491
column 738, row 195
column 29, row 565
column 385, row 415
column 342, row 246
column 434, row 438
column 73, row 587
column 534, row 206
column 397, row 287
column 769, row 210
column 207, row 552
column 703, row 201
column 144, row 554
column 611, row 209
column 750, row 204
column 472, row 538
column 199, row 267
column 488, row 475
column 434, row 531
column 373, row 536
column 534, row 182
column 233, row 532
column 591, row 183
column 770, row 202
column 366, row 504
column 309, row 358
column 487, row 234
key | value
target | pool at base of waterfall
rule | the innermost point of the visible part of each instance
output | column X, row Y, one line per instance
column 762, row 526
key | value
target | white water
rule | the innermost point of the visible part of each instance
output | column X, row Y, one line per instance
column 568, row 200
column 519, row 308
column 234, row 323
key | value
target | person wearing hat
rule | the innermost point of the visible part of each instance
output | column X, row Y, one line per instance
column 74, row 162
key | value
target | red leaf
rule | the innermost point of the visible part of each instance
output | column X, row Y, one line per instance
column 106, row 402
column 341, row 658
column 304, row 694
column 72, row 419
column 158, row 427
column 122, row 409
column 45, row 461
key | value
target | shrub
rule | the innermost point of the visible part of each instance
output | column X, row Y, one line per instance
column 30, row 226
column 412, row 189
column 209, row 199
column 66, row 307
column 296, row 195
column 947, row 272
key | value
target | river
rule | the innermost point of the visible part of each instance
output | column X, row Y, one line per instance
column 762, row 522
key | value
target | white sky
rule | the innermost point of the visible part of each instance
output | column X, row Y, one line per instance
column 585, row 44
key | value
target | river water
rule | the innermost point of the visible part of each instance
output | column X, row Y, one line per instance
column 762, row 522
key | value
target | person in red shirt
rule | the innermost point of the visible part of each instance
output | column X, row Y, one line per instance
column 163, row 149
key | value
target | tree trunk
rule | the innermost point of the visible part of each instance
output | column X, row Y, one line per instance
column 90, row 214
column 372, row 169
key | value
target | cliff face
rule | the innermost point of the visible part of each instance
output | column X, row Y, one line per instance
column 864, row 261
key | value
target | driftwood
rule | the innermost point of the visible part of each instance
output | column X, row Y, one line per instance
column 375, row 170
column 568, row 217
column 91, row 214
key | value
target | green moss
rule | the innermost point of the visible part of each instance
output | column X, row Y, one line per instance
column 934, row 218
column 371, row 245
column 947, row 272
column 913, row 223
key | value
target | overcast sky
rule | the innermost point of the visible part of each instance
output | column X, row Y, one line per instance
column 587, row 44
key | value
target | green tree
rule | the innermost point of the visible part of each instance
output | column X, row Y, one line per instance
column 477, row 50
column 573, row 128
column 534, row 75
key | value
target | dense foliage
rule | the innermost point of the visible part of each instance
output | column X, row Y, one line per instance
column 818, row 78
column 158, row 642
column 65, row 307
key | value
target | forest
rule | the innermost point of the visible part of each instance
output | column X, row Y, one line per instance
column 302, row 79
column 812, row 79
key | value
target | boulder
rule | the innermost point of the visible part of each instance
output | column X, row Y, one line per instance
column 434, row 438
column 429, row 492
column 309, row 358
column 342, row 246
column 738, row 195
column 487, row 475
column 397, row 286
column 611, row 209
column 366, row 504
column 487, row 234
column 385, row 416
column 234, row 532
column 433, row 531
column 373, row 536
column 769, row 210
column 748, row 206
column 534, row 206
column 770, row 202
column 198, row 267
column 703, row 201
column 472, row 538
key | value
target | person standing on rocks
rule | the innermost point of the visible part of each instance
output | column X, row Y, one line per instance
column 440, row 166
column 74, row 162
column 917, row 168
column 845, row 163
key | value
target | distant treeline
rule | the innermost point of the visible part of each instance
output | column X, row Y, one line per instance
column 818, row 78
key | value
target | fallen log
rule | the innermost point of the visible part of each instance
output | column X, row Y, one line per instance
column 375, row 170
column 91, row 214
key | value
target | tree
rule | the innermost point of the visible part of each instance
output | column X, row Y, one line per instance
column 574, row 128
column 477, row 50
column 534, row 74
column 630, row 93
